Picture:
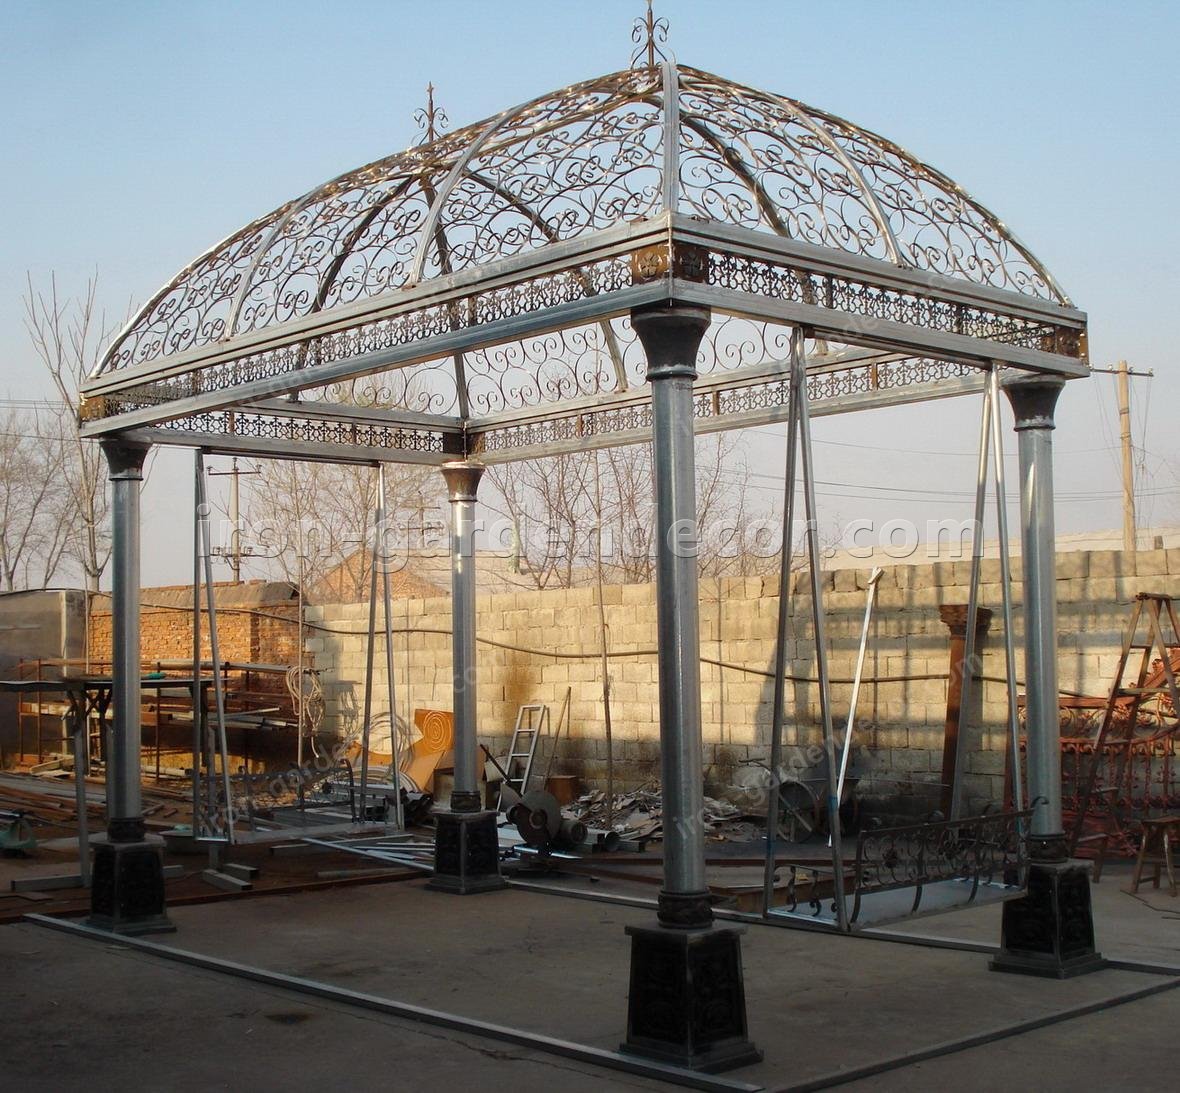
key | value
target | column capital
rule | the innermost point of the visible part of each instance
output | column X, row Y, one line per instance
column 125, row 458
column 462, row 478
column 1034, row 400
column 671, row 336
column 954, row 615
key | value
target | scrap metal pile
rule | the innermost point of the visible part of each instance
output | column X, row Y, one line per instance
column 637, row 816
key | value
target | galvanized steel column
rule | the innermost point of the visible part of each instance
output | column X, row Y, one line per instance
column 671, row 337
column 462, row 485
column 1033, row 402
column 125, row 804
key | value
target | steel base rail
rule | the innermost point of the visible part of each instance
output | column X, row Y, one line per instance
column 611, row 1060
column 869, row 933
column 979, row 1039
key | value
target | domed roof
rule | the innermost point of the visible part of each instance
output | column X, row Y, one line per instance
column 619, row 149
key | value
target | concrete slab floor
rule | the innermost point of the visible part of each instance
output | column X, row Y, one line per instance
column 88, row 1017
column 1132, row 926
column 818, row 1004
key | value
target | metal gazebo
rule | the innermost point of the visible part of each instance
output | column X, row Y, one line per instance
column 652, row 254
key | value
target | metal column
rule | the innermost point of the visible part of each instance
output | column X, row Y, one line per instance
column 462, row 486
column 1050, row 930
column 127, row 892
column 125, row 806
column 466, row 844
column 686, row 1001
column 670, row 340
column 1033, row 403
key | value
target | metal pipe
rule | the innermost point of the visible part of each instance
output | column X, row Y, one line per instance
column 799, row 391
column 370, row 650
column 1033, row 402
column 214, row 649
column 77, row 701
column 125, row 795
column 671, row 337
column 462, row 479
column 856, row 679
column 198, row 692
column 780, row 650
column 968, row 669
column 386, row 593
column 1006, row 590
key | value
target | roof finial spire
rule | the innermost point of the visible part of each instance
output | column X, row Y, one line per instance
column 647, row 34
column 432, row 120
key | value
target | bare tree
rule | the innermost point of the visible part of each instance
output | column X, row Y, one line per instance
column 33, row 537
column 311, row 521
column 561, row 505
column 68, row 336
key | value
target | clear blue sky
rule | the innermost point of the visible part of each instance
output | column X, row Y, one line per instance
column 137, row 134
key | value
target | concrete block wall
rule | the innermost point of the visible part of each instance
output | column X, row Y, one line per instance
column 536, row 645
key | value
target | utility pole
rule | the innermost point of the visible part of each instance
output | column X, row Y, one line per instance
column 232, row 552
column 1124, row 389
column 1124, row 374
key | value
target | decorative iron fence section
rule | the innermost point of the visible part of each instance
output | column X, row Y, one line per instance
column 979, row 850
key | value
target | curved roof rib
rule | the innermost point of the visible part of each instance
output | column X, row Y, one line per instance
column 567, row 164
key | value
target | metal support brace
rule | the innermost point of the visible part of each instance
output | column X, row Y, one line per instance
column 215, row 653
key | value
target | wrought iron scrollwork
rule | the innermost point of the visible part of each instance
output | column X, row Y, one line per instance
column 575, row 162
column 979, row 849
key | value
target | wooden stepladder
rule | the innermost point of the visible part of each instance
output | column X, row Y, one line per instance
column 1123, row 706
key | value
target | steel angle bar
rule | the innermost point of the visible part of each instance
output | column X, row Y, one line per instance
column 818, row 619
column 214, row 648
column 1006, row 590
column 370, row 648
column 856, row 678
column 780, row 649
column 552, row 1045
column 390, row 692
column 968, row 669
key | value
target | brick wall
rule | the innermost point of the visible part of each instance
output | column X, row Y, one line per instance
column 899, row 743
column 246, row 633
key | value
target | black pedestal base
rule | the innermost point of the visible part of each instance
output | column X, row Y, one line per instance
column 1050, row 931
column 127, row 888
column 687, row 1003
column 466, row 853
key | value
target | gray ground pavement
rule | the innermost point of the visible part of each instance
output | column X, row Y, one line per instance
column 96, row 1015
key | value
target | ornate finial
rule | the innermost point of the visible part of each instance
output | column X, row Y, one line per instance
column 648, row 34
column 433, row 120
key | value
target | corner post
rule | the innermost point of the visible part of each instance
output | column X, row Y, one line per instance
column 686, row 1003
column 127, row 894
column 1050, row 930
column 467, row 850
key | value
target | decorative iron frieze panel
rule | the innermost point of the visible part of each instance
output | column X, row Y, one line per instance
column 860, row 298
column 240, row 424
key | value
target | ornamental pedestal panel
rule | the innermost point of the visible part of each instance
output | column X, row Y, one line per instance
column 688, row 998
column 1050, row 931
column 466, row 853
column 127, row 888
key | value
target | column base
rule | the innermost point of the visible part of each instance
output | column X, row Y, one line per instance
column 687, row 1000
column 127, row 888
column 466, row 853
column 1050, row 931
